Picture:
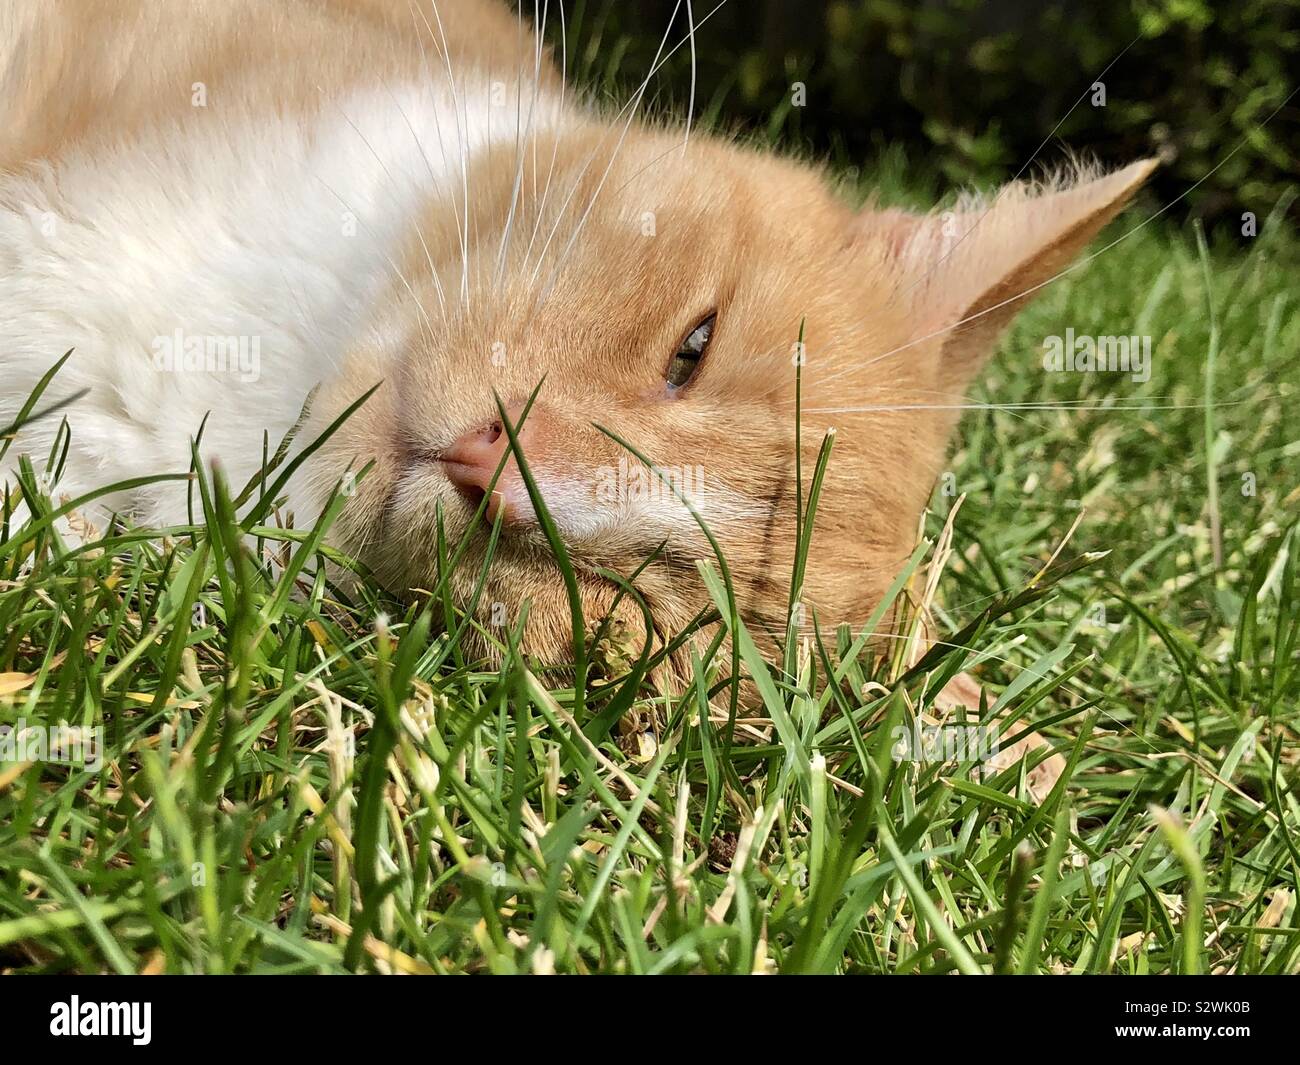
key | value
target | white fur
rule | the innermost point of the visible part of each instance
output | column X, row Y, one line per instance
column 234, row 226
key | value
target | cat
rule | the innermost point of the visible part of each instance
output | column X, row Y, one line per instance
column 224, row 207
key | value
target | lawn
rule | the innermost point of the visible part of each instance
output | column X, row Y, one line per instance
column 298, row 778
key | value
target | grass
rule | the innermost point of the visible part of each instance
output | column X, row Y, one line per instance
column 299, row 779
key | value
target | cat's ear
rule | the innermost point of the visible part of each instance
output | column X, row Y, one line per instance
column 964, row 274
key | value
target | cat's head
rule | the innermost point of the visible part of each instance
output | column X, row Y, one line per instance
column 657, row 291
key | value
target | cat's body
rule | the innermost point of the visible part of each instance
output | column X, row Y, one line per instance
column 367, row 190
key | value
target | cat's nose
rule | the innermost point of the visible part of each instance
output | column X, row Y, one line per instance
column 471, row 463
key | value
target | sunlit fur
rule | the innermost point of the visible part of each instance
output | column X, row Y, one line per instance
column 574, row 249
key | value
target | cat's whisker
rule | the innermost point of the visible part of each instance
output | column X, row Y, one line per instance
column 1009, row 407
column 629, row 108
column 433, row 269
column 540, row 209
column 323, row 346
column 671, row 151
column 462, row 125
column 522, row 140
column 949, row 393
column 437, row 126
column 539, row 52
column 659, row 60
column 419, row 232
column 690, row 107
column 395, row 269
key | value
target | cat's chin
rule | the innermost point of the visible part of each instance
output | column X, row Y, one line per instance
column 520, row 603
column 527, row 607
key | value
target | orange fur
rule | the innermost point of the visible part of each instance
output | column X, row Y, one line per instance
column 761, row 240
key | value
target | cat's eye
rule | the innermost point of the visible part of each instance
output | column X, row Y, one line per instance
column 687, row 360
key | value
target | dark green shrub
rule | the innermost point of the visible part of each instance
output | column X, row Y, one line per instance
column 973, row 88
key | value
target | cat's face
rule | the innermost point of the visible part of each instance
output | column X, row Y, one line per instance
column 658, row 295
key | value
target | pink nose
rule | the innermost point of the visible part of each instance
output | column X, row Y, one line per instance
column 471, row 462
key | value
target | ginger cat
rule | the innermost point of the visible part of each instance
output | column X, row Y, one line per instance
column 406, row 192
